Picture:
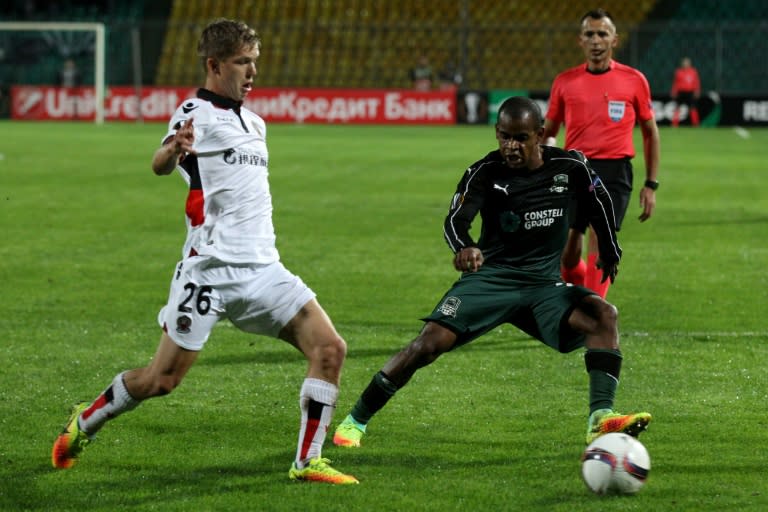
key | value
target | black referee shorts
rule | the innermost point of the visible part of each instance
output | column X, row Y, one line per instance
column 686, row 98
column 617, row 177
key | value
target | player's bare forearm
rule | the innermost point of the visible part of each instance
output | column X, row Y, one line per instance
column 167, row 157
column 550, row 132
column 651, row 151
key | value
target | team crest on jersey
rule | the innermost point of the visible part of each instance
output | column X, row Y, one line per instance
column 450, row 306
column 183, row 323
column 559, row 183
column 616, row 110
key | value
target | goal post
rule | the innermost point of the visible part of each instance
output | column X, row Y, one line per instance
column 99, row 50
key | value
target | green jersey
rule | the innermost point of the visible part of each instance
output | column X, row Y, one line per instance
column 525, row 213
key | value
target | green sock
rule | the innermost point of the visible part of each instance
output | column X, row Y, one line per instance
column 603, row 367
column 375, row 396
column 602, row 390
column 351, row 419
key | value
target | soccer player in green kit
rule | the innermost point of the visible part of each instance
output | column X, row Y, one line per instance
column 522, row 192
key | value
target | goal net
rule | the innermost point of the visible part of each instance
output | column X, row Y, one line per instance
column 23, row 45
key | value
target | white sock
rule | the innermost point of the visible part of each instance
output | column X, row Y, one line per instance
column 114, row 401
column 317, row 401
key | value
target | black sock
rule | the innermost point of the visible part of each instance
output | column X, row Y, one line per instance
column 375, row 396
column 604, row 367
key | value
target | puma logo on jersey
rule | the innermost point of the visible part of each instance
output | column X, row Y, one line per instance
column 496, row 186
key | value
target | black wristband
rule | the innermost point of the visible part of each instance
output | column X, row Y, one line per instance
column 653, row 185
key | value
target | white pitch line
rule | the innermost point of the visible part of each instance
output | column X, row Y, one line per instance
column 682, row 334
column 741, row 132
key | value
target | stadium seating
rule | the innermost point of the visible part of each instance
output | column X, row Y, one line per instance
column 511, row 44
column 370, row 43
column 723, row 39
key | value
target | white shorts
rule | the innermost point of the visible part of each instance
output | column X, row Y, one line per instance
column 258, row 299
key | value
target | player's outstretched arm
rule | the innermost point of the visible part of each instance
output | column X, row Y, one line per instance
column 168, row 156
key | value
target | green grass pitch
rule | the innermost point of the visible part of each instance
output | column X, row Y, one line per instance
column 90, row 238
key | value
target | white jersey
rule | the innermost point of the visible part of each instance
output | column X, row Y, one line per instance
column 229, row 206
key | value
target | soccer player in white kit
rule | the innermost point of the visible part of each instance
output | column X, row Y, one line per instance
column 230, row 267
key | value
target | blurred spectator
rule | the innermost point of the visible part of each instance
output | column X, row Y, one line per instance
column 686, row 89
column 421, row 75
column 69, row 78
column 69, row 75
column 450, row 77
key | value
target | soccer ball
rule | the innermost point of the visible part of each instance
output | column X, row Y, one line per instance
column 615, row 464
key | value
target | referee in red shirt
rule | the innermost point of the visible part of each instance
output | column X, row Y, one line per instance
column 686, row 89
column 600, row 103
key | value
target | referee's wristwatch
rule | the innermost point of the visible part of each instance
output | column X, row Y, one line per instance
column 651, row 184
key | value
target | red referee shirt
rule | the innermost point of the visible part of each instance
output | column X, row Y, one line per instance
column 686, row 80
column 600, row 110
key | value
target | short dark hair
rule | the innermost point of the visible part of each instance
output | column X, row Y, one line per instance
column 597, row 14
column 223, row 38
column 520, row 106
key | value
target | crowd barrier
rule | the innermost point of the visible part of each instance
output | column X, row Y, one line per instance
column 345, row 106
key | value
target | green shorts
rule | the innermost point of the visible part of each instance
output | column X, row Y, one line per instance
column 481, row 301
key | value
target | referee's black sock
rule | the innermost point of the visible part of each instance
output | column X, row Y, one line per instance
column 375, row 396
